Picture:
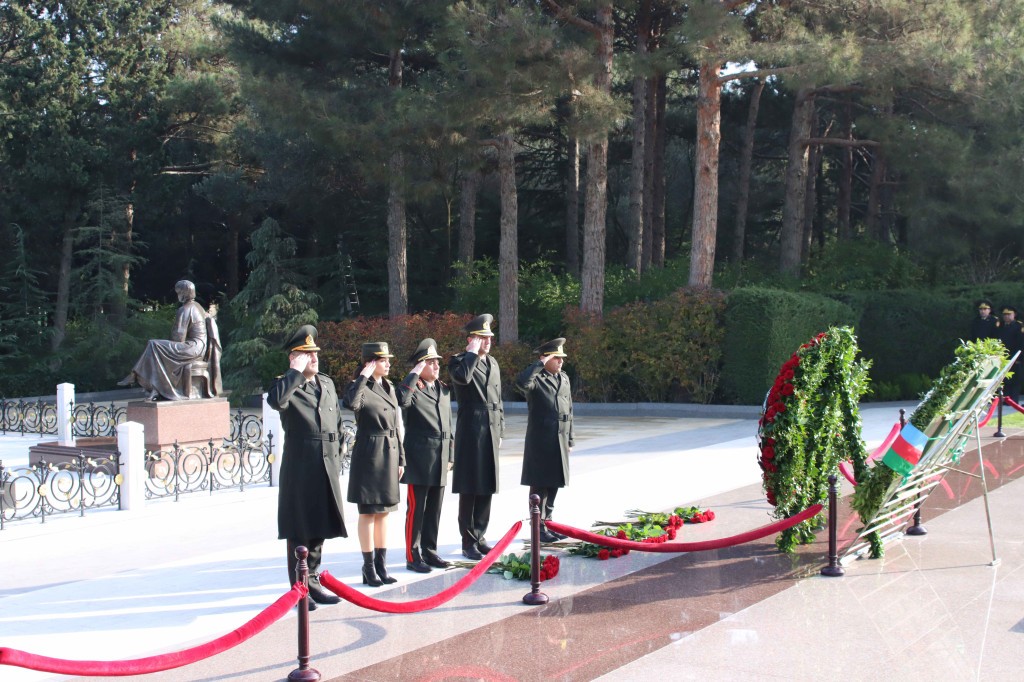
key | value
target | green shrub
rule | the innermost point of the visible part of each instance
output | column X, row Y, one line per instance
column 762, row 326
column 648, row 352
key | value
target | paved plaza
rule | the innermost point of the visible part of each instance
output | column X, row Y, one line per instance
column 120, row 585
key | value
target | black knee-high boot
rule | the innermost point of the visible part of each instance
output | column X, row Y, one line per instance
column 369, row 574
column 379, row 558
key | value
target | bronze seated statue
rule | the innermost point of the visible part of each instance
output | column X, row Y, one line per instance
column 167, row 368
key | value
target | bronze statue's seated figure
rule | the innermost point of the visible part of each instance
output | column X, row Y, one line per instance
column 167, row 367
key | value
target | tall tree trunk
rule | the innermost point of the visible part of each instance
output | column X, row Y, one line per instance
column 810, row 198
column 872, row 222
column 845, row 199
column 234, row 225
column 398, row 287
column 596, row 202
column 634, row 252
column 705, row 200
column 796, row 183
column 572, row 206
column 508, row 256
column 63, row 304
column 651, row 142
column 658, row 177
column 467, row 220
column 739, row 233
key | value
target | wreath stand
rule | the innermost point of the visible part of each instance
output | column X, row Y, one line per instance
column 948, row 436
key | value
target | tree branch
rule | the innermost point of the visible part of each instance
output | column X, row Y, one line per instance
column 839, row 142
column 566, row 15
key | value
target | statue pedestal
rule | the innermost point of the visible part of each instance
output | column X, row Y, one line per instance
column 190, row 423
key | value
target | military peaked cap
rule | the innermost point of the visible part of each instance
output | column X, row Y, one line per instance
column 552, row 347
column 376, row 351
column 427, row 350
column 481, row 325
column 303, row 340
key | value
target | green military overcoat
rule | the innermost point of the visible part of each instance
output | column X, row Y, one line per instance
column 309, row 493
column 377, row 452
column 549, row 432
column 429, row 433
column 479, row 424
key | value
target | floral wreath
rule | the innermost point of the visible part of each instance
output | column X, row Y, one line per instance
column 810, row 421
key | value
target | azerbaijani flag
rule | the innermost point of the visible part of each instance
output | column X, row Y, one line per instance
column 906, row 450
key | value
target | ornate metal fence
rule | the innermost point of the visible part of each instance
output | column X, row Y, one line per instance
column 172, row 473
column 246, row 428
column 39, row 416
column 92, row 420
column 21, row 416
column 75, row 484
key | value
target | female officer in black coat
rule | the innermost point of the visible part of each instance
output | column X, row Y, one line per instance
column 427, row 413
column 377, row 458
column 549, row 436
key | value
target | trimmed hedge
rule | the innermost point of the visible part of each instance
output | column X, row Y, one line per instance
column 762, row 326
column 664, row 351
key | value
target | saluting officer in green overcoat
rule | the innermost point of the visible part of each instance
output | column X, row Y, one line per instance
column 377, row 458
column 479, row 428
column 549, row 432
column 429, row 452
column 309, row 507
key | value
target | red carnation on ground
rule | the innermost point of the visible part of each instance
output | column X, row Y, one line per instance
column 710, row 515
column 621, row 535
column 671, row 533
column 603, row 554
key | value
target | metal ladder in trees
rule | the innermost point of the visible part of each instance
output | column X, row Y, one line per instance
column 350, row 295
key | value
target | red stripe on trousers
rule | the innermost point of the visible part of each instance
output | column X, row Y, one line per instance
column 409, row 516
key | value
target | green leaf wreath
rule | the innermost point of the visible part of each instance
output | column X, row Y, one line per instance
column 873, row 482
column 811, row 422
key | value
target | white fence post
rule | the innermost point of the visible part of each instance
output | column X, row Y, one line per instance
column 65, row 410
column 272, row 425
column 131, row 441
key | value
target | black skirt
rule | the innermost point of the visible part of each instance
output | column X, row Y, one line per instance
column 376, row 508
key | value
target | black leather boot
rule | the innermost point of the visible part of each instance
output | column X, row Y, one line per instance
column 379, row 558
column 417, row 564
column 369, row 574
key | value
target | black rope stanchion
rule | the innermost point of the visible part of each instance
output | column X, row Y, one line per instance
column 535, row 597
column 833, row 570
column 999, row 415
column 303, row 673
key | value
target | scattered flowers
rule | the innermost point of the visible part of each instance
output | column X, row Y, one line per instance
column 512, row 567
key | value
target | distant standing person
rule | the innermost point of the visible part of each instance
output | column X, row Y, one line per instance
column 1011, row 333
column 984, row 326
column 549, row 433
column 479, row 428
column 377, row 458
column 429, row 452
column 309, row 507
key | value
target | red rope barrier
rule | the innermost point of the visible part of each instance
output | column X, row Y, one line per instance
column 1013, row 404
column 153, row 664
column 358, row 598
column 756, row 534
column 991, row 411
column 894, row 432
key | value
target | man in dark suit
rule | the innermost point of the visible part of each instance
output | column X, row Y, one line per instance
column 309, row 507
column 429, row 452
column 549, row 434
column 984, row 326
column 1011, row 333
column 480, row 426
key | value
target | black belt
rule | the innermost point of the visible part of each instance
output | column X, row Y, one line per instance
column 329, row 437
column 493, row 407
column 430, row 434
column 559, row 418
column 383, row 432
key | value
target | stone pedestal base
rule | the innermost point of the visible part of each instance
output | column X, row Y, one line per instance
column 190, row 423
